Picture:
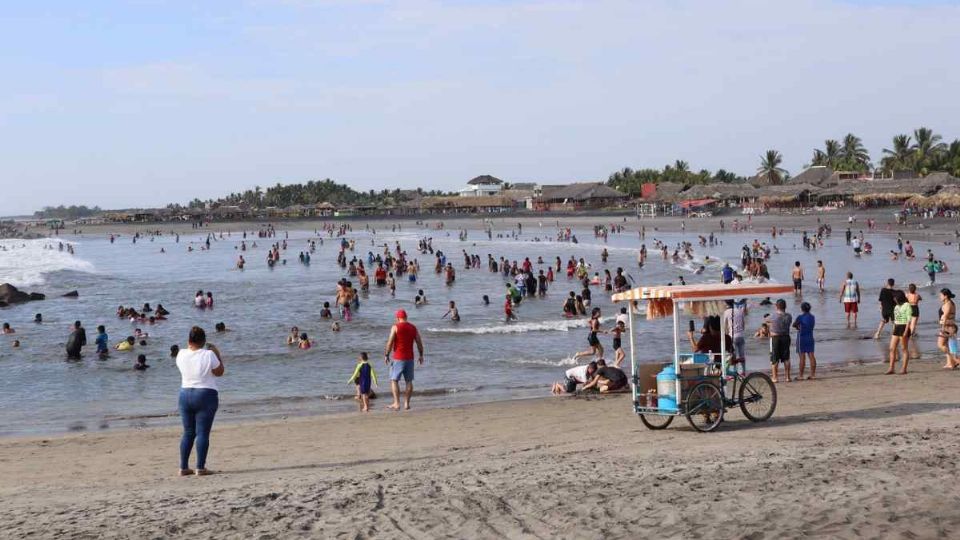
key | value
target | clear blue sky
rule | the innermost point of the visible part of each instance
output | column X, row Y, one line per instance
column 145, row 102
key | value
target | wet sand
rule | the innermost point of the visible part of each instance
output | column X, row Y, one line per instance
column 854, row 455
column 916, row 229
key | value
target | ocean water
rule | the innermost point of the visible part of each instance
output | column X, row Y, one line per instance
column 480, row 358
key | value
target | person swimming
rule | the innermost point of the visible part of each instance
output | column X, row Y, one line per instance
column 141, row 364
column 294, row 337
column 126, row 345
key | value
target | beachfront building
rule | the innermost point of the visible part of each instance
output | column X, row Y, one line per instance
column 324, row 209
column 578, row 196
column 467, row 205
column 483, row 186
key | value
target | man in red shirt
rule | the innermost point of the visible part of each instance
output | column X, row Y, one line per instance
column 403, row 336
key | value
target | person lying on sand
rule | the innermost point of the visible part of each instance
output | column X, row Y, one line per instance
column 573, row 377
column 607, row 379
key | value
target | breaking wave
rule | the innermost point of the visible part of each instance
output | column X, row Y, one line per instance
column 26, row 263
column 562, row 325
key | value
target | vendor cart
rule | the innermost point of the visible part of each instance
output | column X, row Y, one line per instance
column 698, row 386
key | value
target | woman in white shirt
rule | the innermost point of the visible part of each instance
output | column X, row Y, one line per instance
column 199, row 369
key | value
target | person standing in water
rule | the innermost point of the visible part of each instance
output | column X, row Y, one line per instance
column 403, row 336
column 887, row 301
column 200, row 365
column 76, row 341
column 821, row 275
column 797, row 279
column 850, row 297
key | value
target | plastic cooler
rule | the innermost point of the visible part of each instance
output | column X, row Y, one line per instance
column 667, row 389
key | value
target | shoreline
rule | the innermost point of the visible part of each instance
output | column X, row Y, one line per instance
column 853, row 454
column 168, row 420
column 935, row 229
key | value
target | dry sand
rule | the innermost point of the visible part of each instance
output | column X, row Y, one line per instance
column 855, row 455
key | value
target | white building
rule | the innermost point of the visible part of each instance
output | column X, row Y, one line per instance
column 483, row 186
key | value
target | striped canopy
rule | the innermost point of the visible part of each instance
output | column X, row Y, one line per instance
column 704, row 291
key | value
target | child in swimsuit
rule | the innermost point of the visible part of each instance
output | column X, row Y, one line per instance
column 363, row 376
column 617, row 330
column 508, row 310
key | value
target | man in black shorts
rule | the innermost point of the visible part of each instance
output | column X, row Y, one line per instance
column 887, row 303
column 779, row 324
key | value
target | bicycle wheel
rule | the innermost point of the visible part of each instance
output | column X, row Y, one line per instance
column 704, row 407
column 758, row 397
column 656, row 421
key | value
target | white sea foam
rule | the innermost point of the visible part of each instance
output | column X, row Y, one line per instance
column 562, row 325
column 26, row 263
column 540, row 361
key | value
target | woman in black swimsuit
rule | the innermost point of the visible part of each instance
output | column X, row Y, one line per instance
column 913, row 298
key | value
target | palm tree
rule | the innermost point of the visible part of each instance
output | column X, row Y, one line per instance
column 829, row 156
column 681, row 166
column 900, row 157
column 926, row 149
column 819, row 158
column 854, row 154
column 770, row 169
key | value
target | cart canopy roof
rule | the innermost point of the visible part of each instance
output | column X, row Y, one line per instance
column 704, row 291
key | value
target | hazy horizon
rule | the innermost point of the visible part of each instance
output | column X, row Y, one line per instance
column 143, row 104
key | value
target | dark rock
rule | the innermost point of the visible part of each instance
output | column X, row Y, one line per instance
column 37, row 296
column 11, row 295
column 71, row 294
column 3, row 304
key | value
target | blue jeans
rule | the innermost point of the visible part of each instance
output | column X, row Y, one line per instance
column 198, row 406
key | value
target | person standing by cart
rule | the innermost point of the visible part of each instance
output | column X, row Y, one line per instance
column 734, row 323
column 780, row 323
column 887, row 303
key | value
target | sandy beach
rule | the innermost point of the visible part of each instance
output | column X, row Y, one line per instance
column 854, row 455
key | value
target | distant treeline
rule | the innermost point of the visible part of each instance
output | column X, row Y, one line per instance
column 313, row 192
column 66, row 212
column 922, row 152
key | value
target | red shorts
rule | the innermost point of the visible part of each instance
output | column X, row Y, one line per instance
column 850, row 307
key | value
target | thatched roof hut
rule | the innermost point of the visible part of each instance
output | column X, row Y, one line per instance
column 720, row 192
column 817, row 175
column 668, row 191
column 888, row 191
column 948, row 197
column 467, row 203
column 786, row 193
